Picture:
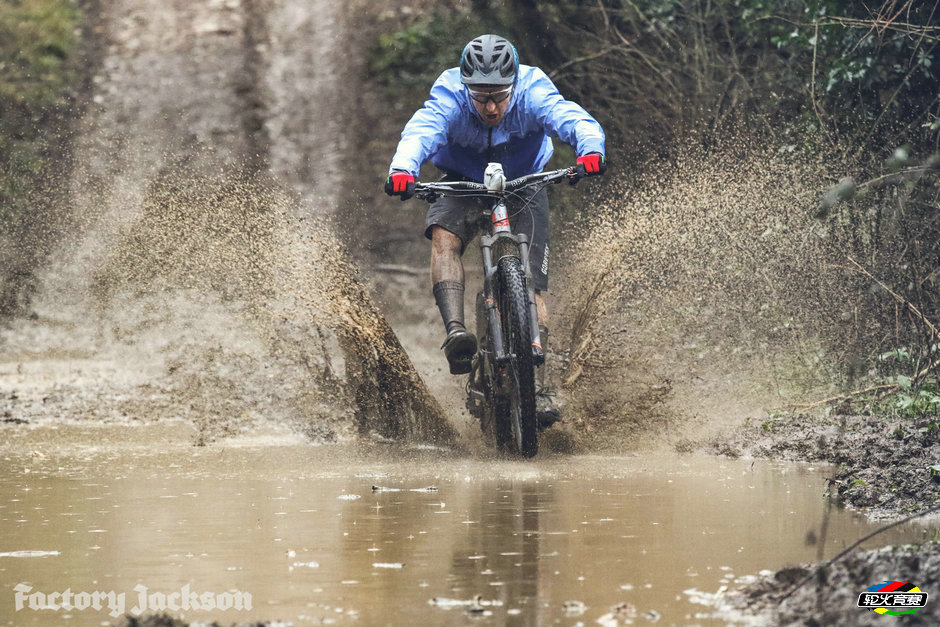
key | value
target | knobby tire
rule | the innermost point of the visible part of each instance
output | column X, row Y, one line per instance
column 495, row 426
column 519, row 374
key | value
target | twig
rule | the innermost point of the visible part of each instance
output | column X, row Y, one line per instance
column 883, row 14
column 643, row 57
column 908, row 174
column 600, row 5
column 650, row 25
column 841, row 397
column 812, row 84
column 929, row 20
column 923, row 373
column 884, row 109
column 818, row 569
column 847, row 187
column 904, row 28
column 885, row 390
column 589, row 57
column 873, row 25
column 903, row 301
column 582, row 339
column 398, row 269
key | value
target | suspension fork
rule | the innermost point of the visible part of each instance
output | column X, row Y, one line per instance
column 489, row 292
column 538, row 354
column 489, row 299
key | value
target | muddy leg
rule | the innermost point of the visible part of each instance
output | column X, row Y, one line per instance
column 447, row 279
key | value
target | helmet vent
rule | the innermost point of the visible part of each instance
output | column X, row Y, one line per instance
column 489, row 60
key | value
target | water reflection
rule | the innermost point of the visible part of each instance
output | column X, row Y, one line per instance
column 500, row 556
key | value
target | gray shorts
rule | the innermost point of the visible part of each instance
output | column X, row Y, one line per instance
column 466, row 217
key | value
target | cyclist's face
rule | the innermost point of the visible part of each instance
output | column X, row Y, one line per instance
column 491, row 111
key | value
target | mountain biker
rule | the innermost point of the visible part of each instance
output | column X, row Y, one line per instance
column 489, row 109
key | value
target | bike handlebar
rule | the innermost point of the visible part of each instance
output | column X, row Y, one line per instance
column 430, row 191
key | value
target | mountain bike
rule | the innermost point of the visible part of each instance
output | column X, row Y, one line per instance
column 501, row 384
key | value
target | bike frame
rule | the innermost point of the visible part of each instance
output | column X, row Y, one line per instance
column 495, row 186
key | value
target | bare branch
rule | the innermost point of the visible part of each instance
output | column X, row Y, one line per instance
column 554, row 73
column 900, row 299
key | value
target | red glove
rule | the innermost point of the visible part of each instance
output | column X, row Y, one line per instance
column 401, row 184
column 593, row 163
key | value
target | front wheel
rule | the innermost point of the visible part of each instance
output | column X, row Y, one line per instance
column 517, row 376
column 485, row 400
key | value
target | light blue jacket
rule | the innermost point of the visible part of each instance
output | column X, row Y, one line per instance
column 449, row 131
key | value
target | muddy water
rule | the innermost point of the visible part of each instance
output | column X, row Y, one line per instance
column 302, row 530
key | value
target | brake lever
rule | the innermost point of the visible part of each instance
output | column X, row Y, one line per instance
column 575, row 174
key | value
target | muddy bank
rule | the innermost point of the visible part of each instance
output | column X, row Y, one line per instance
column 828, row 595
column 882, row 465
column 883, row 469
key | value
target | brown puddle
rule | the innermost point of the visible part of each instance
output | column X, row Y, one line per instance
column 301, row 529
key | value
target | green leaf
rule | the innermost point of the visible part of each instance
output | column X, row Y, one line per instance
column 899, row 354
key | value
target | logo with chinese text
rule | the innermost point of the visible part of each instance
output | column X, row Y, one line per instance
column 893, row 598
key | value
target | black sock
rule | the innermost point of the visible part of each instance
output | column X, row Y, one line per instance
column 449, row 298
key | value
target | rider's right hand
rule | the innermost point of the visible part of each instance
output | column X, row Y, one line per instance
column 591, row 164
column 400, row 183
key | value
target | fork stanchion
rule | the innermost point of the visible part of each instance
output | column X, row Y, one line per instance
column 492, row 313
column 535, row 336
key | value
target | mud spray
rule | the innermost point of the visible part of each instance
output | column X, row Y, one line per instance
column 192, row 284
column 201, row 278
column 708, row 293
column 314, row 351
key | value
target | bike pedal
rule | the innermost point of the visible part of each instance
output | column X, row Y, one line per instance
column 547, row 418
column 474, row 402
column 538, row 355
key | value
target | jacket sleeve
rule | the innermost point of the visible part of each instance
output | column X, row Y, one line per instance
column 563, row 118
column 427, row 130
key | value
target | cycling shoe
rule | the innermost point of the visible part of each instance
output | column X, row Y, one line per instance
column 459, row 348
column 547, row 412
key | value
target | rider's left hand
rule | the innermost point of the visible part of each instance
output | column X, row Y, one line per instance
column 592, row 164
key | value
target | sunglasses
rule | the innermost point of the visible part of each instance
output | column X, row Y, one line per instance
column 484, row 97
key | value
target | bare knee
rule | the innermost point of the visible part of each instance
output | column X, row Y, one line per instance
column 444, row 242
column 445, row 256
